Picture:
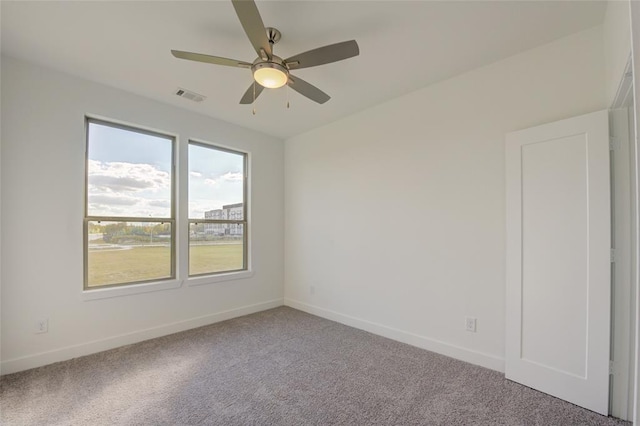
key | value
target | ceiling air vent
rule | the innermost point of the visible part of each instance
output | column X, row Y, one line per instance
column 192, row 96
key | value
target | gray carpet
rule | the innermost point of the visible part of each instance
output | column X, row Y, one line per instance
column 278, row 367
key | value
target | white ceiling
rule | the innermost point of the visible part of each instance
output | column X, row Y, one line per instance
column 403, row 46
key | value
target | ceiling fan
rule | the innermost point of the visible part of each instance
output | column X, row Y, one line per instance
column 271, row 71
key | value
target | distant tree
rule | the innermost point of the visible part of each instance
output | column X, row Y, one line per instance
column 162, row 229
column 114, row 230
column 95, row 228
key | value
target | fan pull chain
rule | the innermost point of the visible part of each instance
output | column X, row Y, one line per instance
column 254, row 98
column 287, row 92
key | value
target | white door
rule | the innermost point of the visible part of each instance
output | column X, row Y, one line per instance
column 558, row 259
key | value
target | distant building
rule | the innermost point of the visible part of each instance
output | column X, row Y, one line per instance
column 228, row 212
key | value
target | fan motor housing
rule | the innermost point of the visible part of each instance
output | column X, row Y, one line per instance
column 275, row 62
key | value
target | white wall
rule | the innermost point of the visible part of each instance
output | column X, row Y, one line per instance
column 617, row 44
column 396, row 215
column 42, row 211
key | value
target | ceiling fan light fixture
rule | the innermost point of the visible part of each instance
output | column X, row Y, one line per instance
column 271, row 71
column 270, row 75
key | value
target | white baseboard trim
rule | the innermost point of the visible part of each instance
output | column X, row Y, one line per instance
column 82, row 349
column 474, row 357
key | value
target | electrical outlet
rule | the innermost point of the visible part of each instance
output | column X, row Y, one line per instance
column 42, row 325
column 470, row 324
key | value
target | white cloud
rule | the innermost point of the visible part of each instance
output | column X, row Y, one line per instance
column 113, row 199
column 195, row 174
column 127, row 177
column 231, row 176
column 160, row 203
column 128, row 189
column 210, row 182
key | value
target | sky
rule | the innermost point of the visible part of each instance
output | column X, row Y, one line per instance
column 129, row 174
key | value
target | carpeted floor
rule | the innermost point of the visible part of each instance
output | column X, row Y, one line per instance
column 278, row 367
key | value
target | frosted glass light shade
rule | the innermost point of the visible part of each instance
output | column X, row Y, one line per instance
column 269, row 77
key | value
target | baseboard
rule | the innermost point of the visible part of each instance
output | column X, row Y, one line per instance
column 474, row 357
column 74, row 351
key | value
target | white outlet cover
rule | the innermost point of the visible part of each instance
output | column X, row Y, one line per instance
column 470, row 324
column 42, row 325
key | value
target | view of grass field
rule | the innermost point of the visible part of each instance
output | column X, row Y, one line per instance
column 108, row 266
column 207, row 259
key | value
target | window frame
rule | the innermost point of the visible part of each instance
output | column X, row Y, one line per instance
column 142, row 285
column 207, row 277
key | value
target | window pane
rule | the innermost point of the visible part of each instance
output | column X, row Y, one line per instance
column 215, row 247
column 129, row 173
column 124, row 252
column 216, row 182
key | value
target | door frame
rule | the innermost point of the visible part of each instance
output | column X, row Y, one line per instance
column 634, row 13
column 624, row 270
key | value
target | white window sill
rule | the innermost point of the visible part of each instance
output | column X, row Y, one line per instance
column 126, row 290
column 105, row 293
column 211, row 279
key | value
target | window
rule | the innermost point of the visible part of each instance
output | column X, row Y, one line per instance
column 129, row 224
column 131, row 232
column 217, row 210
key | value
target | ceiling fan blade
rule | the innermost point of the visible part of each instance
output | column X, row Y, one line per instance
column 324, row 55
column 251, row 21
column 249, row 95
column 308, row 90
column 199, row 57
